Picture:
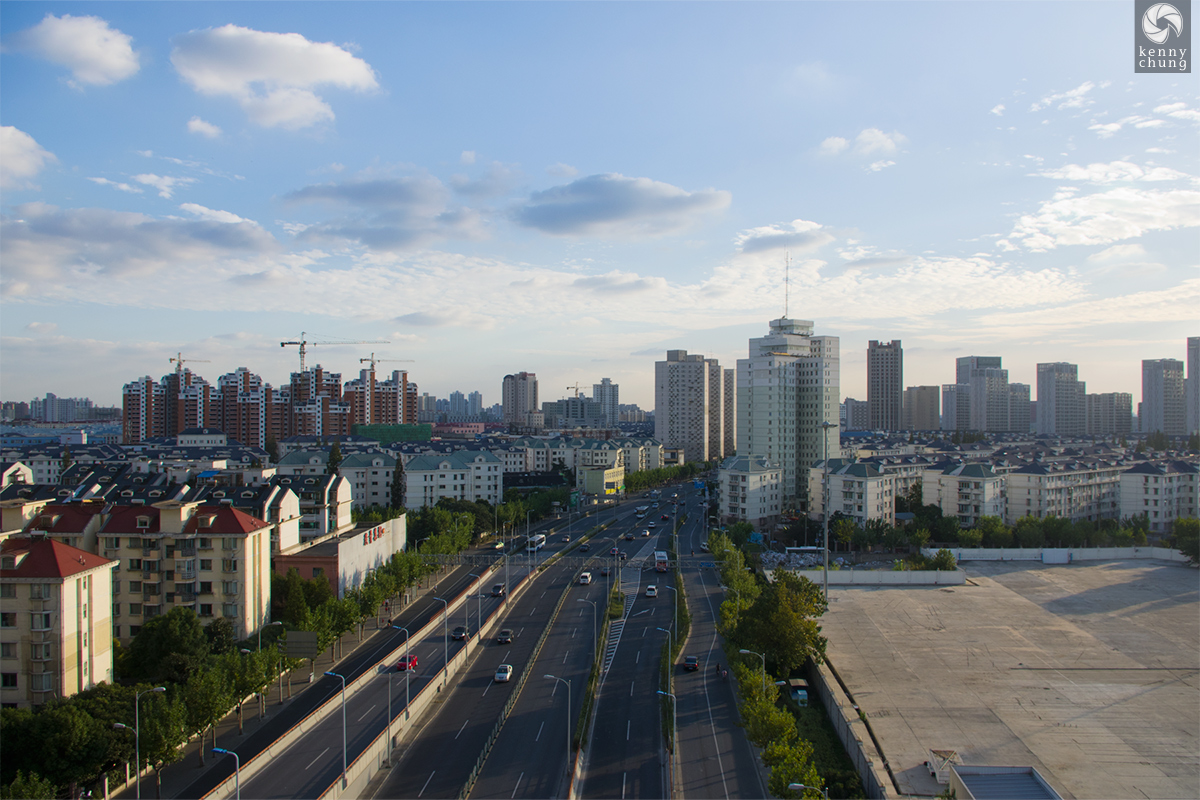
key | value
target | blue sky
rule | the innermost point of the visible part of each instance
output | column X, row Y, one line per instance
column 572, row 189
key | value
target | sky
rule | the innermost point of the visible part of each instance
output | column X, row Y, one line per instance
column 572, row 189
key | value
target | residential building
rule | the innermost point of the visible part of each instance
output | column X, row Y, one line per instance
column 956, row 407
column 1020, row 408
column 729, row 420
column 855, row 415
column 519, row 396
column 885, row 385
column 346, row 560
column 325, row 503
column 600, row 481
column 459, row 475
column 573, row 412
column 1109, row 414
column 607, row 394
column 1074, row 490
column 60, row 409
column 1164, row 491
column 749, row 491
column 787, row 396
column 1061, row 403
column 1162, row 396
column 922, row 408
column 689, row 410
column 55, row 629
column 858, row 490
column 967, row 492
column 1192, row 388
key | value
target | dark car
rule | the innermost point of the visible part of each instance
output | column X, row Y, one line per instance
column 504, row 636
column 604, row 572
column 691, row 663
column 583, row 548
column 624, row 555
column 666, row 516
column 566, row 538
column 613, row 552
column 498, row 590
column 459, row 633
column 407, row 662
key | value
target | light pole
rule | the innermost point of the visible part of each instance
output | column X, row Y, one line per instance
column 674, row 724
column 345, row 748
column 237, row 770
column 407, row 681
column 260, row 630
column 478, row 606
column 675, row 599
column 241, row 730
column 764, row 662
column 670, row 641
column 595, row 629
column 825, row 426
column 796, row 787
column 137, row 733
column 568, row 683
column 445, row 640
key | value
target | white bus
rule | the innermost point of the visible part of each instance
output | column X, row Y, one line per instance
column 661, row 561
column 536, row 542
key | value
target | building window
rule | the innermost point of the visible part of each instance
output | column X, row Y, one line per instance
column 206, row 609
column 41, row 591
column 8, row 591
column 317, row 572
column 40, row 621
column 206, row 565
column 42, row 682
column 229, row 609
column 229, row 587
column 40, row 651
column 8, row 649
column 134, row 630
column 135, row 609
column 205, row 587
column 8, row 680
column 135, row 565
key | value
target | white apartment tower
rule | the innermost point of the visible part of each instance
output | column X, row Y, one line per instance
column 1061, row 400
column 885, row 384
column 1162, row 396
column 519, row 396
column 607, row 394
column 786, row 390
column 689, row 403
column 1192, row 387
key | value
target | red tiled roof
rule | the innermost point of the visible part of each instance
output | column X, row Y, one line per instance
column 71, row 517
column 225, row 519
column 124, row 520
column 47, row 558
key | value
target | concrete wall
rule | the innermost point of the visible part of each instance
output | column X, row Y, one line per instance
column 1075, row 553
column 885, row 577
column 852, row 731
column 360, row 555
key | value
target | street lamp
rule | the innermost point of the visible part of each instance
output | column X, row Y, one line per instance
column 796, row 787
column 345, row 747
column 670, row 640
column 595, row 630
column 825, row 426
column 478, row 606
column 568, row 683
column 764, row 660
column 237, row 770
column 241, row 730
column 675, row 599
column 445, row 640
column 674, row 725
column 137, row 733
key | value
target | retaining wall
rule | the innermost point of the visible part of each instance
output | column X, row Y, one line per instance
column 885, row 577
column 852, row 731
column 1054, row 554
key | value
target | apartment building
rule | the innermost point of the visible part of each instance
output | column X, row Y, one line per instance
column 1109, row 414
column 855, row 415
column 967, row 492
column 1164, row 491
column 885, row 385
column 460, row 475
column 1061, row 400
column 1162, row 407
column 55, row 629
column 749, row 491
column 325, row 503
column 921, row 408
column 858, row 490
column 1192, row 385
column 519, row 398
column 608, row 395
column 1074, row 490
column 689, row 404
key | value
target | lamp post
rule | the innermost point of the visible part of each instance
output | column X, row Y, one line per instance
column 241, row 730
column 568, row 683
column 796, row 787
column 595, row 629
column 675, row 599
column 825, row 426
column 478, row 606
column 345, row 748
column 764, row 660
column 137, row 733
column 445, row 639
column 237, row 770
column 674, row 724
column 670, row 640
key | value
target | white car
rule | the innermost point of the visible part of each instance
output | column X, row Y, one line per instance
column 645, row 533
column 652, row 591
column 504, row 673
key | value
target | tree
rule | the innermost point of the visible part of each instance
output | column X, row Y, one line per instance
column 335, row 460
column 766, row 722
column 397, row 495
column 169, row 647
column 970, row 537
column 739, row 533
column 947, row 529
column 206, row 697
column 792, row 762
column 67, row 460
column 944, row 560
column 783, row 622
column 221, row 636
column 994, row 532
column 1028, row 532
column 272, row 448
column 163, row 730
column 843, row 530
column 1056, row 530
column 317, row 591
column 71, row 745
column 29, row 786
column 1187, row 537
column 918, row 538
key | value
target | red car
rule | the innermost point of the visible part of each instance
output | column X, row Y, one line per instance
column 406, row 663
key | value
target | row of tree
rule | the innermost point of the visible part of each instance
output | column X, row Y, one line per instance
column 649, row 478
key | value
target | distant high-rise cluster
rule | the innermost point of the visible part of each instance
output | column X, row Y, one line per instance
column 1162, row 407
column 982, row 399
column 690, row 398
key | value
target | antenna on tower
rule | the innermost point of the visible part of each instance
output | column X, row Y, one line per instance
column 787, row 263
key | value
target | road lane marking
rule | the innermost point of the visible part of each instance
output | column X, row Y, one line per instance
column 622, row 786
column 485, row 691
column 638, row 657
column 628, row 723
column 505, row 659
column 531, row 612
column 368, row 711
column 323, row 752
column 427, row 780
column 631, row 695
column 573, row 632
column 539, row 736
column 460, row 730
column 518, row 786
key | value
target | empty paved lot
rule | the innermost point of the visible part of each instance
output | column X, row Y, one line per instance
column 1088, row 672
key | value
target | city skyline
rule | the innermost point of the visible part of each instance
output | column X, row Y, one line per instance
column 492, row 193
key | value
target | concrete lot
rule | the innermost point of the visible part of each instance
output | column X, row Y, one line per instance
column 1088, row 672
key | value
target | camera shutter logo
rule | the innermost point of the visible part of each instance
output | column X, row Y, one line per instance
column 1160, row 20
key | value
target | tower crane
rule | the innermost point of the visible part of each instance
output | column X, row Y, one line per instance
column 305, row 343
column 576, row 387
column 178, row 360
column 375, row 360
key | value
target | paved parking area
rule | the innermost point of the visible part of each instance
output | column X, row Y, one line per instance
column 1088, row 672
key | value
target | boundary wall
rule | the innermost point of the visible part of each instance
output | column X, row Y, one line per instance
column 1058, row 555
column 853, row 732
column 885, row 577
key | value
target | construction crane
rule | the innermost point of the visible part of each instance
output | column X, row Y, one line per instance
column 178, row 360
column 576, row 387
column 305, row 343
column 375, row 360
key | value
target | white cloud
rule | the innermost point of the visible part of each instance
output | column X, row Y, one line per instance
column 876, row 166
column 998, row 110
column 1154, row 307
column 561, row 170
column 1179, row 111
column 800, row 236
column 197, row 125
column 271, row 75
column 21, row 158
column 1075, row 98
column 1104, row 217
column 165, row 184
column 1106, row 130
column 497, row 180
column 467, row 157
column 42, row 327
column 1159, row 150
column 94, row 52
column 124, row 187
column 833, row 145
column 213, row 215
column 1112, row 172
column 1118, row 253
column 613, row 204
column 873, row 140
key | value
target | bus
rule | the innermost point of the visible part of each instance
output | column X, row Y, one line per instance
column 536, row 542
column 660, row 561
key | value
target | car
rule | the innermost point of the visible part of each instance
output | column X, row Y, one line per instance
column 629, row 536
column 613, row 552
column 504, row 673
column 499, row 545
column 624, row 555
column 407, row 662
column 459, row 633
column 649, row 524
column 652, row 591
column 604, row 572
column 655, row 504
column 583, row 548
column 585, row 578
column 646, row 533
column 691, row 663
column 666, row 517
column 505, row 636
column 566, row 538
column 498, row 590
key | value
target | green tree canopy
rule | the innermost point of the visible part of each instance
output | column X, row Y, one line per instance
column 782, row 623
column 169, row 647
